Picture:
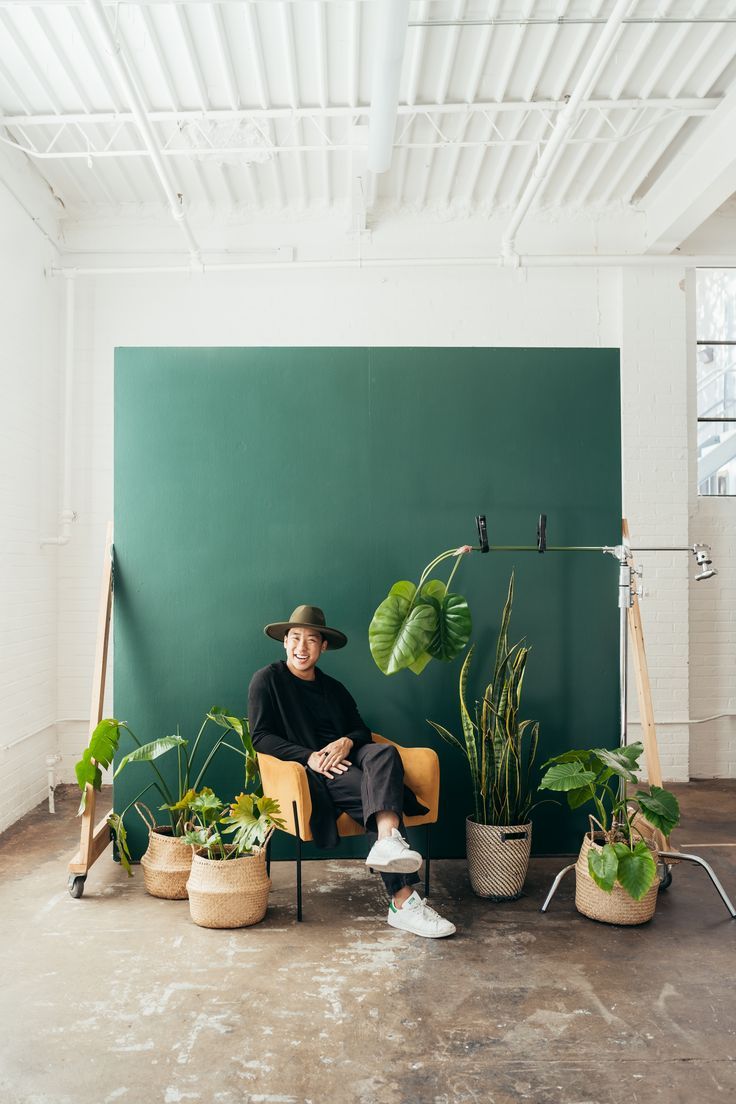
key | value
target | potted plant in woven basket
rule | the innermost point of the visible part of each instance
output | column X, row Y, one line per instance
column 228, row 885
column 168, row 859
column 500, row 749
column 616, row 878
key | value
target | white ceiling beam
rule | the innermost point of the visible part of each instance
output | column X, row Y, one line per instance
column 292, row 79
column 686, row 105
column 165, row 75
column 702, row 177
column 323, row 81
column 135, row 102
column 33, row 193
column 483, row 44
column 264, row 98
column 564, row 124
column 448, row 60
column 714, row 51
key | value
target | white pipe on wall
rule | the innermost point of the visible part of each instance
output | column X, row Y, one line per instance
column 523, row 261
column 67, row 514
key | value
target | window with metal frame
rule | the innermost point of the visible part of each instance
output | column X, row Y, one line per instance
column 715, row 297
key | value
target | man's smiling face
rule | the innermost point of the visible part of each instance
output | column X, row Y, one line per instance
column 303, row 649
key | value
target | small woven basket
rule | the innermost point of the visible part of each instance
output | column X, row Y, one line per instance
column 616, row 907
column 228, row 893
column 498, row 858
column 167, row 861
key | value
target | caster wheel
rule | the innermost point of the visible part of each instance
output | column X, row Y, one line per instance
column 666, row 878
column 76, row 885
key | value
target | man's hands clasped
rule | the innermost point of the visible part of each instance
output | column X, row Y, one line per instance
column 333, row 758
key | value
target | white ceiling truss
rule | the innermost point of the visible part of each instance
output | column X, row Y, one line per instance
column 485, row 110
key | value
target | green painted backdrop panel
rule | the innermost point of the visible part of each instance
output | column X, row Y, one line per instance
column 248, row 481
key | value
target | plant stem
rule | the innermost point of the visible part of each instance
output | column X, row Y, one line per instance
column 452, row 573
column 209, row 758
column 190, row 758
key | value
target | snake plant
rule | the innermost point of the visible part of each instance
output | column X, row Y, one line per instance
column 499, row 746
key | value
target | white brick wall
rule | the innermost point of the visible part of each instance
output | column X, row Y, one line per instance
column 654, row 362
column 713, row 642
column 643, row 310
column 29, row 490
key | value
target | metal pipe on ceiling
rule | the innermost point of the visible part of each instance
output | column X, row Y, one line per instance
column 124, row 74
column 565, row 120
column 391, row 23
column 568, row 21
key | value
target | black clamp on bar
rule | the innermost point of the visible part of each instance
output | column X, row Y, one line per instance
column 480, row 521
column 542, row 533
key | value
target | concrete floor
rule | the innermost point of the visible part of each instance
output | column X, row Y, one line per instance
column 119, row 997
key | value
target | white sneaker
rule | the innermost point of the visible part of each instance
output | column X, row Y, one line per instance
column 393, row 855
column 418, row 917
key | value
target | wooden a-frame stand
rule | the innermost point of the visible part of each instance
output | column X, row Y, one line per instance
column 95, row 837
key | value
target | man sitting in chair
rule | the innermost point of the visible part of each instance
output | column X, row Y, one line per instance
column 297, row 712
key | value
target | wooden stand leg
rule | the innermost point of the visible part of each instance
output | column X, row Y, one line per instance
column 94, row 838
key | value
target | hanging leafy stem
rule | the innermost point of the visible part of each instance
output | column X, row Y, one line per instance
column 104, row 743
column 236, row 831
column 416, row 624
column 500, row 748
column 625, row 856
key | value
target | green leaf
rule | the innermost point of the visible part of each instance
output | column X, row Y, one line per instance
column 148, row 752
column 183, row 803
column 419, row 664
column 403, row 589
column 660, row 807
column 566, row 776
column 121, row 838
column 454, row 626
column 577, row 798
column 434, row 588
column 99, row 753
column 252, row 818
column 225, row 719
column 582, row 756
column 398, row 634
column 617, row 760
column 446, row 735
column 603, row 867
column 636, row 869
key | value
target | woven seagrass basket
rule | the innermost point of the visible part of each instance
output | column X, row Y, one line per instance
column 616, row 907
column 498, row 858
column 228, row 893
column 166, row 862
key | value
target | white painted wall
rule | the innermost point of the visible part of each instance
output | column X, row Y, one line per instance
column 643, row 310
column 29, row 486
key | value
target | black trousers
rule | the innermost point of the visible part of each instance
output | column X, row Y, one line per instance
column 374, row 782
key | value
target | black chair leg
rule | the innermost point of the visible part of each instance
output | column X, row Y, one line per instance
column 426, row 862
column 298, row 863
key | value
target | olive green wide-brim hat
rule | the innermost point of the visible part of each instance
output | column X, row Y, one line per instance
column 307, row 617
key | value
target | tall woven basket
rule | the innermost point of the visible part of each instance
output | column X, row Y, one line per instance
column 498, row 858
column 228, row 893
column 167, row 861
column 616, row 907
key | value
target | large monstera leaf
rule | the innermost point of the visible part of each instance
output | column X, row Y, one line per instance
column 399, row 634
column 454, row 626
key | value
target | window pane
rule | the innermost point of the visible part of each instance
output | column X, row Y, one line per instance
column 716, row 380
column 715, row 293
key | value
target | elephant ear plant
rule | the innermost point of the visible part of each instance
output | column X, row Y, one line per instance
column 178, row 802
column 601, row 776
column 416, row 624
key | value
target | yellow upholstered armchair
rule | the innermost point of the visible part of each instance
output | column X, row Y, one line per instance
column 286, row 782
